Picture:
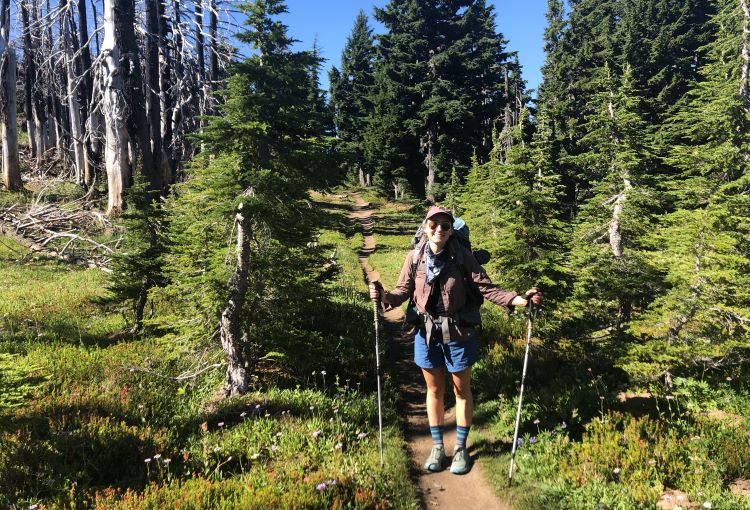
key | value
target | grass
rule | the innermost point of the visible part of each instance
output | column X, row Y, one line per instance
column 98, row 419
column 45, row 301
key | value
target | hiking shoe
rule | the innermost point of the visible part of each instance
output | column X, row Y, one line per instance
column 461, row 462
column 436, row 460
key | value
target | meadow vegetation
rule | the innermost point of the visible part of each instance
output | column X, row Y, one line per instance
column 92, row 416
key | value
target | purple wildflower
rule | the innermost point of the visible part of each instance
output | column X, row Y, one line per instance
column 532, row 439
column 274, row 448
column 564, row 425
column 316, row 433
column 321, row 487
column 519, row 441
column 361, row 436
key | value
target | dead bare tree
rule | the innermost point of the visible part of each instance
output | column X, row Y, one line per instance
column 11, row 164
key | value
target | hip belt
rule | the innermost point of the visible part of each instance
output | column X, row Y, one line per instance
column 432, row 324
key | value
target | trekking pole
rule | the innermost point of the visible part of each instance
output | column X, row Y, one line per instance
column 377, row 365
column 520, row 396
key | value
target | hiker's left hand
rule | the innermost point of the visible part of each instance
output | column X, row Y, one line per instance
column 534, row 295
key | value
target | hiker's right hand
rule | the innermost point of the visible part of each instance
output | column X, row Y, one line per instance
column 375, row 289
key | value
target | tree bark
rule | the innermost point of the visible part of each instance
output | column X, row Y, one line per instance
column 428, row 146
column 74, row 105
column 200, row 50
column 232, row 339
column 86, row 88
column 213, row 55
column 11, row 165
column 113, row 108
column 166, row 93
column 745, row 50
column 138, row 123
column 177, row 105
column 153, row 88
column 30, row 76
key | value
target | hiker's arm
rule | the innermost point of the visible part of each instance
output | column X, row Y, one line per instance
column 403, row 289
column 489, row 290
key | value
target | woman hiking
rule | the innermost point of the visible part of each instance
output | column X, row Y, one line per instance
column 443, row 341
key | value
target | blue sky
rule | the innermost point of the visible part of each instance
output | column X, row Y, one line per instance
column 520, row 21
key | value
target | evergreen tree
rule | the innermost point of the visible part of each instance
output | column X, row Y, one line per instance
column 321, row 119
column 613, row 275
column 661, row 42
column 515, row 197
column 137, row 266
column 351, row 96
column 249, row 184
column 702, row 319
column 573, row 74
column 442, row 60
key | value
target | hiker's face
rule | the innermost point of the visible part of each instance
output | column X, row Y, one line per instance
column 439, row 228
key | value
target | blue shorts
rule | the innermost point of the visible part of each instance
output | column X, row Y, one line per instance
column 455, row 356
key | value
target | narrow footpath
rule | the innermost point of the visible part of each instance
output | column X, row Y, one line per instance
column 438, row 490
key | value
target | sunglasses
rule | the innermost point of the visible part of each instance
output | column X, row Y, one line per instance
column 445, row 225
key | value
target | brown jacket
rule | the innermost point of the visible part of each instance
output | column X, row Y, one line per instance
column 452, row 287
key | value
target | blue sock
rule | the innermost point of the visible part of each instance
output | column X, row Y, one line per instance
column 461, row 434
column 437, row 435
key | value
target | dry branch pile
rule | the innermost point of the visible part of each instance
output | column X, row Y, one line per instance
column 68, row 231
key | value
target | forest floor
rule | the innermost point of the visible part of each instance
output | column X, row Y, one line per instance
column 437, row 490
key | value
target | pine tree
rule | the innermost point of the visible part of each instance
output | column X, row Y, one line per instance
column 581, row 48
column 246, row 190
column 701, row 321
column 138, row 265
column 515, row 196
column 661, row 42
column 440, row 61
column 613, row 276
column 351, row 96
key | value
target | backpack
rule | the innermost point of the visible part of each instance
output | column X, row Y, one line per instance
column 469, row 315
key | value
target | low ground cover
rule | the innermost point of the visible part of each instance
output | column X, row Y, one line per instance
column 102, row 419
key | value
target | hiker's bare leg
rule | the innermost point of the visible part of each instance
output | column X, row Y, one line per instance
column 464, row 398
column 435, row 380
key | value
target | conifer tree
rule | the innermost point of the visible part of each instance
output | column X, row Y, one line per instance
column 443, row 60
column 138, row 265
column 238, row 266
column 351, row 97
column 661, row 41
column 702, row 320
column 613, row 276
column 515, row 196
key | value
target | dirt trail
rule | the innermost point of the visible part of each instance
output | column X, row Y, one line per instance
column 437, row 490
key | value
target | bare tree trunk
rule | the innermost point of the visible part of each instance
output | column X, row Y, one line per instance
column 74, row 106
column 200, row 50
column 30, row 76
column 232, row 339
column 428, row 146
column 86, row 88
column 213, row 56
column 745, row 50
column 153, row 91
column 165, row 96
column 138, row 122
column 114, row 108
column 177, row 114
column 11, row 165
